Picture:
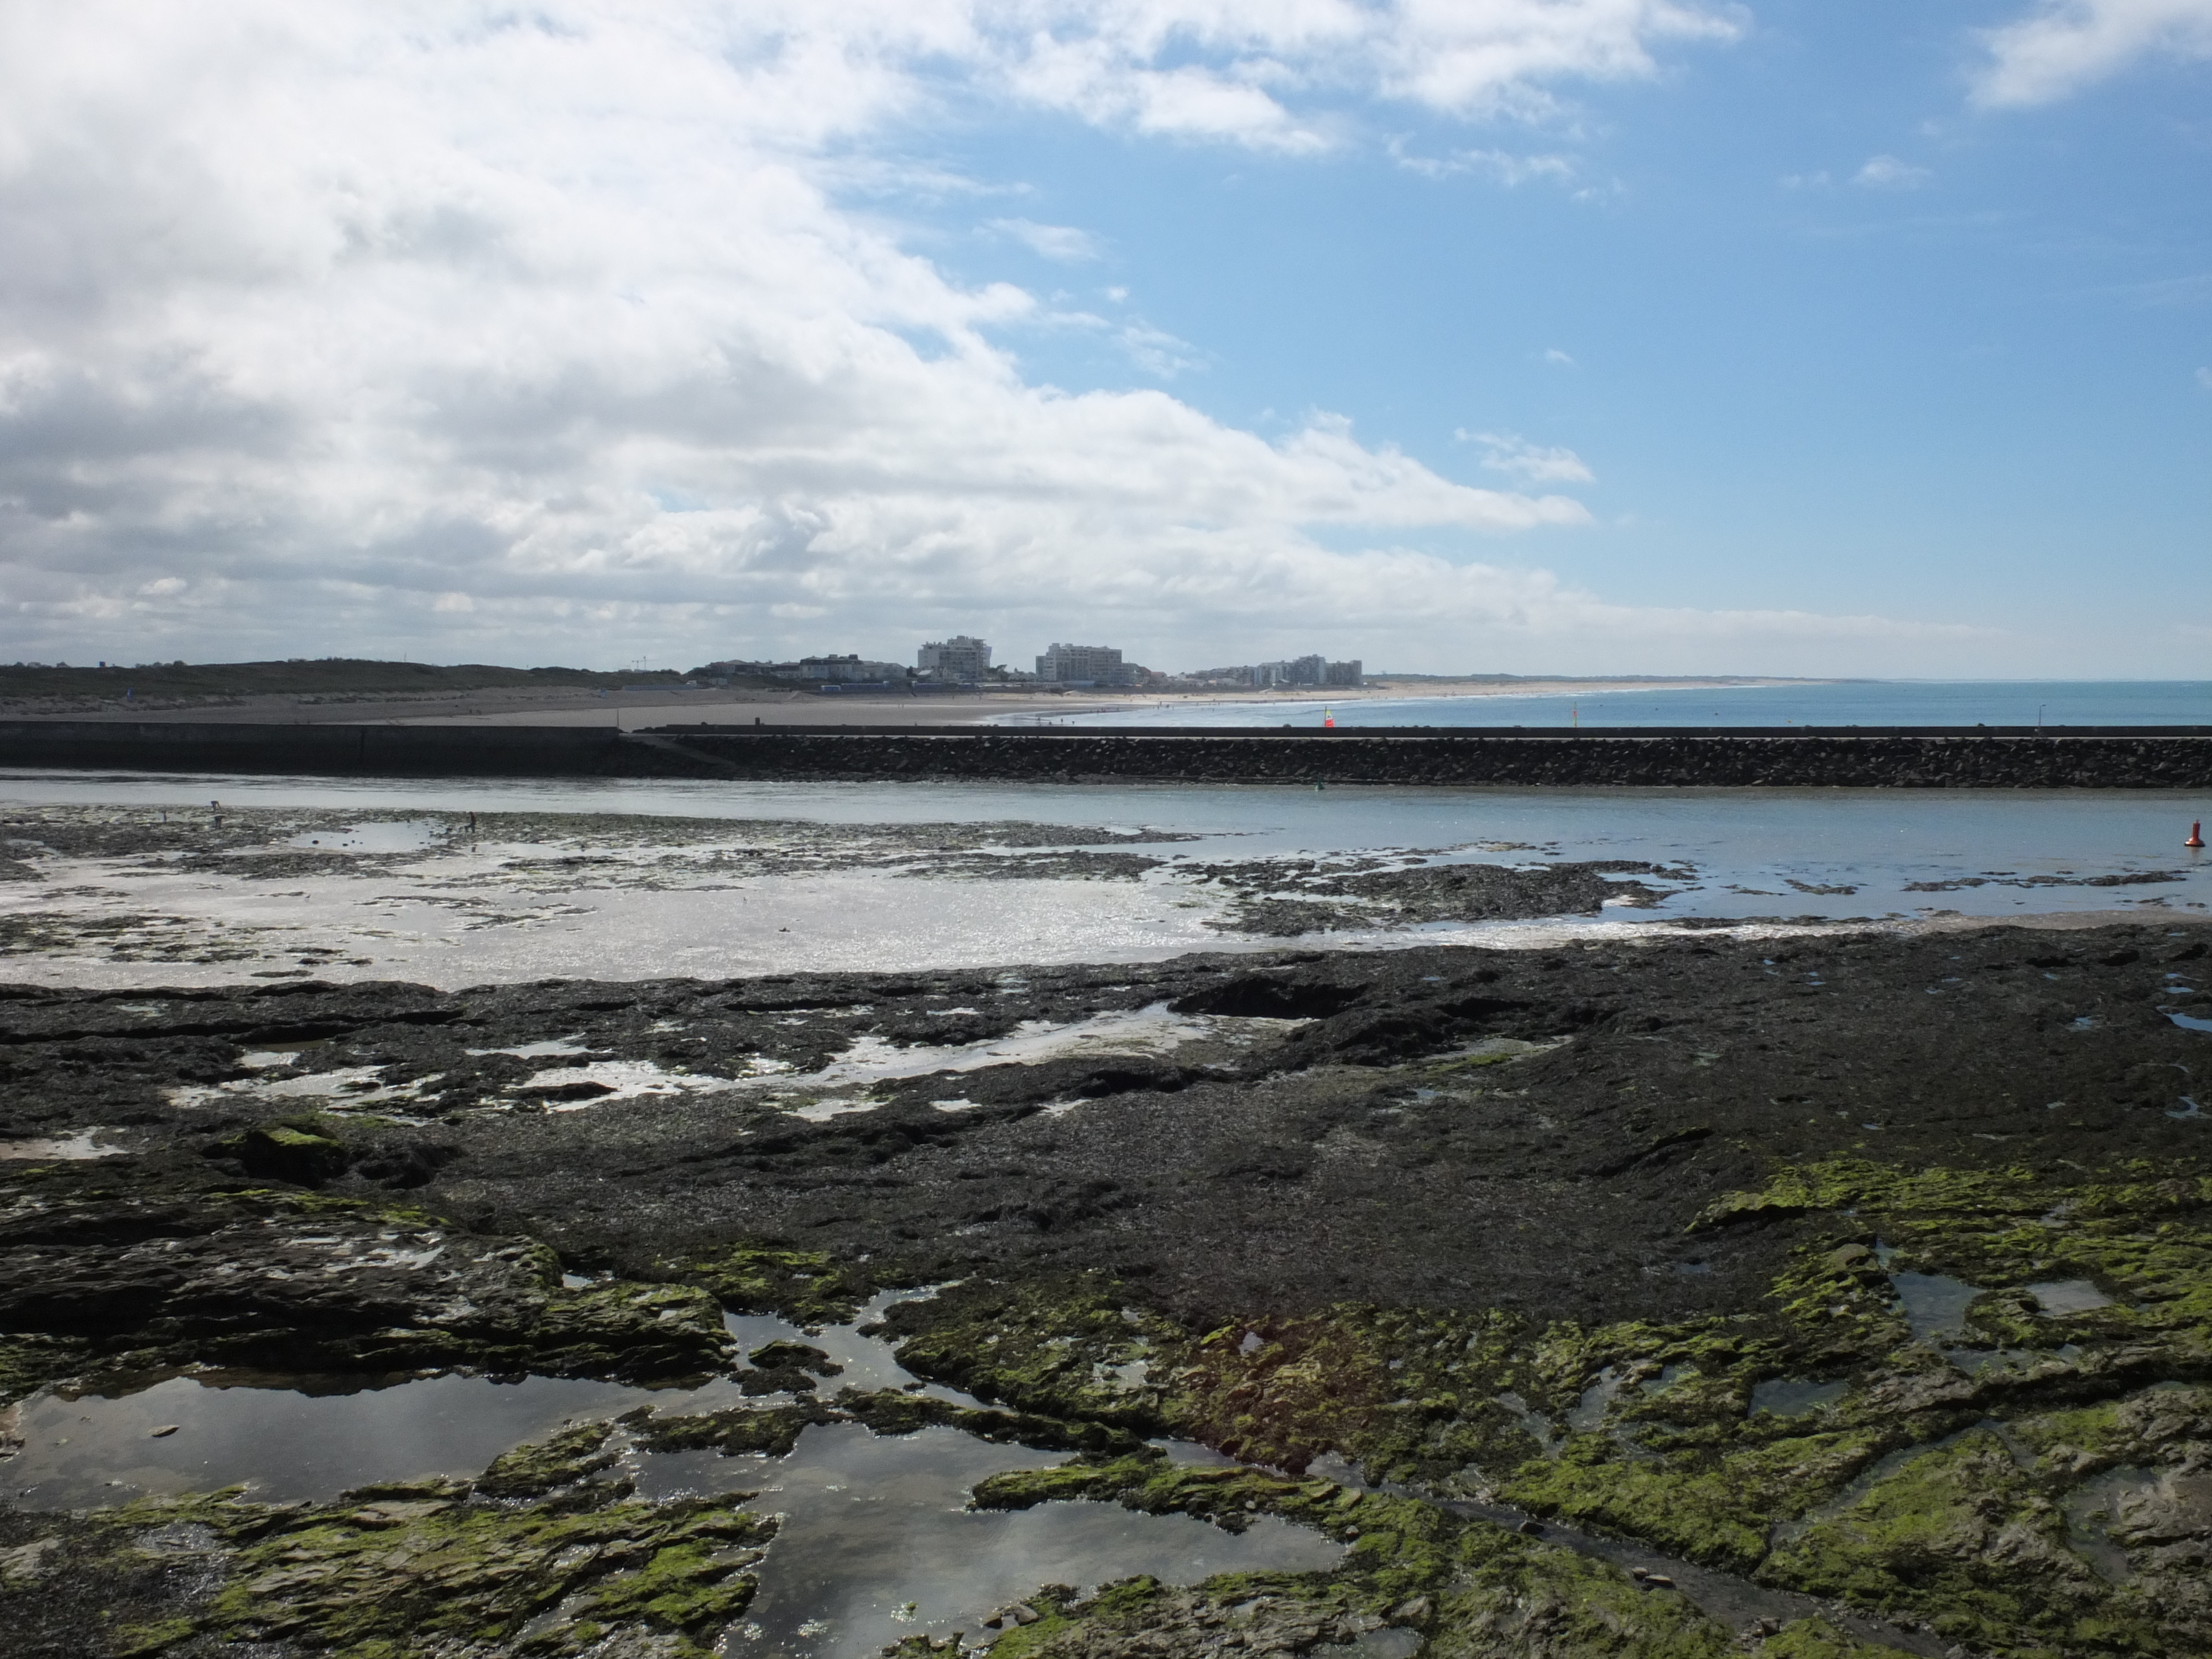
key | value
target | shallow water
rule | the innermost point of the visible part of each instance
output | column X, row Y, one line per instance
column 62, row 1149
column 1787, row 1397
column 504, row 913
column 1934, row 1304
column 311, row 1439
column 876, row 1540
column 2091, row 1508
column 2069, row 1296
column 1865, row 702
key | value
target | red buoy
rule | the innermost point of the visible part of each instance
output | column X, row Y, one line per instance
column 2196, row 835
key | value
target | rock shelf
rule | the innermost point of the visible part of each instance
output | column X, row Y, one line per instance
column 1563, row 1289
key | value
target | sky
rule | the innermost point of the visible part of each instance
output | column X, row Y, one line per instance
column 1496, row 336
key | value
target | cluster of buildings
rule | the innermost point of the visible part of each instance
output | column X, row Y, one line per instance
column 963, row 663
column 1296, row 670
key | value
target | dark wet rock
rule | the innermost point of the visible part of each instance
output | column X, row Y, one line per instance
column 1283, row 899
column 1396, row 1147
column 771, row 1430
column 263, row 1277
column 2124, row 878
column 783, row 1355
column 280, row 1152
column 774, row 1430
column 1282, row 994
column 1443, row 1225
column 569, row 1458
column 1069, row 865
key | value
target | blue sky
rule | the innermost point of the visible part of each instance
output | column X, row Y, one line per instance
column 1963, row 384
column 1526, row 335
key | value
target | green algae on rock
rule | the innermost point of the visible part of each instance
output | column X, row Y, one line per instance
column 1884, row 1494
column 1459, row 1590
column 774, row 1430
column 540, row 1559
column 1071, row 1347
column 805, row 1286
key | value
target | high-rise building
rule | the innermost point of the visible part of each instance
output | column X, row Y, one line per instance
column 960, row 660
column 1297, row 670
column 1085, row 665
column 1300, row 670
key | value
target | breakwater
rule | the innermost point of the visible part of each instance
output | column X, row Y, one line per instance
column 1850, row 757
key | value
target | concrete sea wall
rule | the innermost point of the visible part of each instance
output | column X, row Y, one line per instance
column 1970, row 757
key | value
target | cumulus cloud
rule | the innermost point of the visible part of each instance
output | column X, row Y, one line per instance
column 541, row 333
column 2063, row 45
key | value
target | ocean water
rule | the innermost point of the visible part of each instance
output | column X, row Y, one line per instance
column 1847, row 702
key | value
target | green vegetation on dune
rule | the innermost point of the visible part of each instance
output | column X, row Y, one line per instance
column 322, row 676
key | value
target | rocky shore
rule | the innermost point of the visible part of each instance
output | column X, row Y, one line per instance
column 1685, row 1297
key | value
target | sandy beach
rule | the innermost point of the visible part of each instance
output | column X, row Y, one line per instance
column 716, row 705
column 819, row 708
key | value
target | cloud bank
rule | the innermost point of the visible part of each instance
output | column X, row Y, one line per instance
column 542, row 336
column 2066, row 45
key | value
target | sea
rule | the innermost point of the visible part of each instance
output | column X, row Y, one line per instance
column 1793, row 702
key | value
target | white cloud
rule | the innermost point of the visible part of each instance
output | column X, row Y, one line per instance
column 2204, row 378
column 1250, row 70
column 1502, row 165
column 1532, row 464
column 1558, row 358
column 1887, row 172
column 1062, row 243
column 538, row 334
column 1158, row 352
column 2063, row 45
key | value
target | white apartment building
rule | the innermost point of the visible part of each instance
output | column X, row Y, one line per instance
column 960, row 660
column 1085, row 665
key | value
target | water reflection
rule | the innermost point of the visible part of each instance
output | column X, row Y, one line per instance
column 297, row 1439
column 878, row 1541
column 1933, row 1304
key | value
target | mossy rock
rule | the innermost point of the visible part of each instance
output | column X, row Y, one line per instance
column 805, row 1286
